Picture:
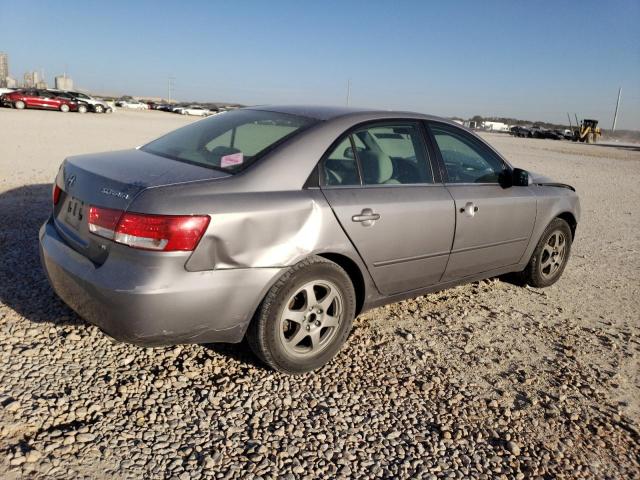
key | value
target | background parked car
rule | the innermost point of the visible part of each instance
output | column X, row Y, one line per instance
column 34, row 98
column 97, row 106
column 132, row 104
column 195, row 110
column 166, row 107
column 6, row 90
column 519, row 131
column 555, row 134
column 83, row 107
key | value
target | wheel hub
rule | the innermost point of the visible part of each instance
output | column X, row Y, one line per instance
column 313, row 318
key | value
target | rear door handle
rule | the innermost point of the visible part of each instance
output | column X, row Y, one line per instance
column 366, row 217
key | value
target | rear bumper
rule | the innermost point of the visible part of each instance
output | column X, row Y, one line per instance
column 154, row 301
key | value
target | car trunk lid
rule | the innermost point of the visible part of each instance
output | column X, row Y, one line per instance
column 112, row 180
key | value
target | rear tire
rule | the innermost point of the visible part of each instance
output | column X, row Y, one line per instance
column 82, row 109
column 550, row 256
column 64, row 108
column 305, row 317
column 20, row 105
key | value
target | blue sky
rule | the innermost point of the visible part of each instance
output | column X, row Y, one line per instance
column 533, row 60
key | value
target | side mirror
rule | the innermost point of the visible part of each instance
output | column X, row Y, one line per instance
column 520, row 178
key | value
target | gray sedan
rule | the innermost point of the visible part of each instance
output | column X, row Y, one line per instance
column 282, row 224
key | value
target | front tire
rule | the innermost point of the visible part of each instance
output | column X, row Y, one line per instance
column 99, row 109
column 550, row 256
column 305, row 317
column 20, row 105
column 64, row 108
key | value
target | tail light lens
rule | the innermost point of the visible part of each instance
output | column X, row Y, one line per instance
column 55, row 193
column 167, row 233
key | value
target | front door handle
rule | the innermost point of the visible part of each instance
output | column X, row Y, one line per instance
column 366, row 217
column 470, row 209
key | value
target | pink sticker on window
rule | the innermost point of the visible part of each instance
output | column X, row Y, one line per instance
column 231, row 160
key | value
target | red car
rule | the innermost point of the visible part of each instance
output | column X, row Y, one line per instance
column 33, row 98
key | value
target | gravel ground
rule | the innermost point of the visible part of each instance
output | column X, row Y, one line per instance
column 487, row 380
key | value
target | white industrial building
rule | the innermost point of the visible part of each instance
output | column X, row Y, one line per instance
column 495, row 126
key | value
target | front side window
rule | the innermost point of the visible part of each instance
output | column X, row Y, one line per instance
column 464, row 159
column 392, row 154
column 231, row 141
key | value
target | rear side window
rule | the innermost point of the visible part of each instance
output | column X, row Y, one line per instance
column 340, row 167
column 231, row 141
column 392, row 154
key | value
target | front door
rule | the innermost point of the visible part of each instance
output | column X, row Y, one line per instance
column 46, row 100
column 380, row 185
column 493, row 222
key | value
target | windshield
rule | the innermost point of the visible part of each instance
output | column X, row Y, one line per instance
column 230, row 141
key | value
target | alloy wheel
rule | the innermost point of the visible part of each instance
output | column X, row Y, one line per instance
column 553, row 254
column 310, row 318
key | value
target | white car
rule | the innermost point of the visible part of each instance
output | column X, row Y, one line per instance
column 194, row 110
column 132, row 104
column 7, row 90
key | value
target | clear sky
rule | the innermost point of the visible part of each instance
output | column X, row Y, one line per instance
column 530, row 60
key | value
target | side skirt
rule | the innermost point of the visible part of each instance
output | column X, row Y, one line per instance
column 378, row 302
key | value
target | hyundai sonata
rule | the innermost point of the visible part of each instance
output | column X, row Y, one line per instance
column 282, row 224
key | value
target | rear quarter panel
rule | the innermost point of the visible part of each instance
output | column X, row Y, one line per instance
column 255, row 229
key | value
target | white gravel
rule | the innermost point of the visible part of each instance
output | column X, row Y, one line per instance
column 488, row 380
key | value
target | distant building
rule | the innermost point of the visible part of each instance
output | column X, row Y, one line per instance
column 10, row 82
column 30, row 79
column 63, row 82
column 42, row 85
column 4, row 69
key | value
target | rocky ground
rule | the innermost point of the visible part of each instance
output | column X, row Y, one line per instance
column 488, row 380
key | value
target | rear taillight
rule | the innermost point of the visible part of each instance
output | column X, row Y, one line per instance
column 167, row 233
column 55, row 193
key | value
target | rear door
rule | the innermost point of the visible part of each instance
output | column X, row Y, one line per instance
column 494, row 221
column 380, row 184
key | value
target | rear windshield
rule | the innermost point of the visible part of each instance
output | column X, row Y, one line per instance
column 229, row 141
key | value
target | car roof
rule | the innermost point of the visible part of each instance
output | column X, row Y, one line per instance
column 321, row 112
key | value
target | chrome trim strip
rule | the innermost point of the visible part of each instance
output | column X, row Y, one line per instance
column 384, row 263
column 496, row 244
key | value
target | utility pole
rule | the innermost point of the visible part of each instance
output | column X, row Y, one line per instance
column 348, row 91
column 615, row 115
column 170, row 88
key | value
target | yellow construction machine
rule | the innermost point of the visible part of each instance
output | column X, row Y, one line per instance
column 587, row 131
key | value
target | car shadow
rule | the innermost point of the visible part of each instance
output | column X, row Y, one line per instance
column 240, row 352
column 23, row 284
